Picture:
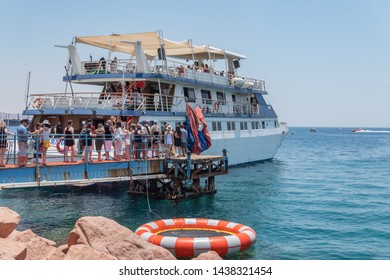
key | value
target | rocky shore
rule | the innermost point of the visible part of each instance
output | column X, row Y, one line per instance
column 93, row 238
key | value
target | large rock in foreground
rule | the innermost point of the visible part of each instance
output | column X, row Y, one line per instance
column 12, row 250
column 109, row 237
column 84, row 252
column 9, row 220
column 210, row 255
column 38, row 248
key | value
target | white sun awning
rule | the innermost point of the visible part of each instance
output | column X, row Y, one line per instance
column 151, row 42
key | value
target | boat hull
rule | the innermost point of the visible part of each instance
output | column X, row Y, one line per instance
column 245, row 150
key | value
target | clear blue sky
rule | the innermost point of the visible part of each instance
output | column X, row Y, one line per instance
column 325, row 63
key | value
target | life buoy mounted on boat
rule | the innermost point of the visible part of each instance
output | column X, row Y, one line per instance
column 216, row 106
column 38, row 102
column 58, row 146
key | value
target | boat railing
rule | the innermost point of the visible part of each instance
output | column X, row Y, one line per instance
column 80, row 100
column 174, row 69
column 123, row 147
column 138, row 102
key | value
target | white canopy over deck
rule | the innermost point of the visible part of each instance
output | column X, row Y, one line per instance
column 152, row 41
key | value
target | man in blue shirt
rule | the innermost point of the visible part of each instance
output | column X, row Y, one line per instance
column 22, row 133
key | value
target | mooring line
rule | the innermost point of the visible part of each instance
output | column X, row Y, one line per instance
column 147, row 189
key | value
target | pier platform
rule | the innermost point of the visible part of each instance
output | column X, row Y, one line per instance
column 167, row 178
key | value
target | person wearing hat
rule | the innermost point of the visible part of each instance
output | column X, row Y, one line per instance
column 44, row 139
column 22, row 133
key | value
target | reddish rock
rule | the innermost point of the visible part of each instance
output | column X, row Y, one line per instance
column 85, row 252
column 210, row 255
column 38, row 248
column 64, row 248
column 12, row 250
column 9, row 220
column 109, row 237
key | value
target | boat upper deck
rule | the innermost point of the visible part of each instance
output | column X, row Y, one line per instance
column 101, row 71
column 114, row 103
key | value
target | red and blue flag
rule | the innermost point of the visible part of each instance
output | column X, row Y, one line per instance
column 199, row 138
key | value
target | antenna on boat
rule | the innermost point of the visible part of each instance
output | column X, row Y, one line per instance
column 28, row 87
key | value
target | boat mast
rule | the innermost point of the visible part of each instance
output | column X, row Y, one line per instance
column 28, row 88
column 161, row 51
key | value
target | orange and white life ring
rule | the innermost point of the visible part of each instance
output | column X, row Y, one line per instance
column 58, row 146
column 216, row 106
column 238, row 237
column 38, row 102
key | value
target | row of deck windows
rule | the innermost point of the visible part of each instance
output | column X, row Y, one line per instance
column 231, row 126
column 189, row 94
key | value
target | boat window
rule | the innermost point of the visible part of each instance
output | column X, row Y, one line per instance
column 206, row 96
column 231, row 126
column 234, row 97
column 255, row 125
column 243, row 126
column 217, row 126
column 221, row 98
column 189, row 94
column 263, row 125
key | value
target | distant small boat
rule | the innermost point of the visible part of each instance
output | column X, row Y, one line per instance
column 358, row 130
column 312, row 130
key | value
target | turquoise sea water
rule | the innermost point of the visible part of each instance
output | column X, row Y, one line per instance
column 325, row 196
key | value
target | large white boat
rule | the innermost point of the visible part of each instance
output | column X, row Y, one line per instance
column 148, row 77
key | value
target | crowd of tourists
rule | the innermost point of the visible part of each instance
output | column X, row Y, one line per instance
column 127, row 139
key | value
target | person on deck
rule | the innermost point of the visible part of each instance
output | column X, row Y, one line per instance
column 117, row 141
column 44, row 139
column 168, row 141
column 35, row 142
column 22, row 133
column 138, row 135
column 58, row 131
column 177, row 141
column 89, row 133
column 126, row 131
column 146, row 140
column 108, row 128
column 99, row 140
column 3, row 142
column 184, row 139
column 69, row 141
column 155, row 141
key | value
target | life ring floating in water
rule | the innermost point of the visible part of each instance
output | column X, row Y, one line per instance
column 239, row 237
column 58, row 146
column 216, row 106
